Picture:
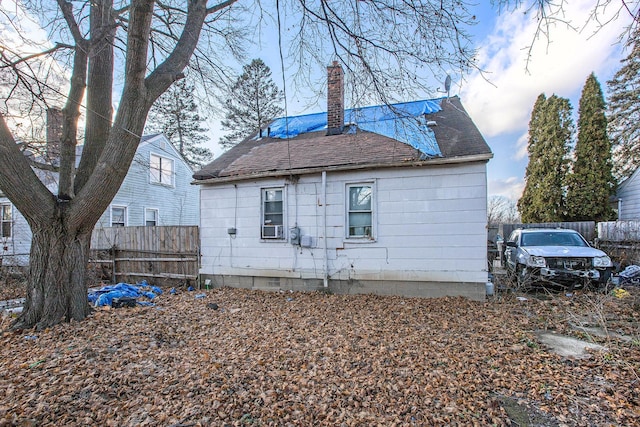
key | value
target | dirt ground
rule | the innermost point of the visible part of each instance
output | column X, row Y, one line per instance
column 231, row 357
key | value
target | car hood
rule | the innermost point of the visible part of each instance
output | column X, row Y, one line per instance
column 563, row 251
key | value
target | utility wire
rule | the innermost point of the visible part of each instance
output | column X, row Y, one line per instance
column 284, row 84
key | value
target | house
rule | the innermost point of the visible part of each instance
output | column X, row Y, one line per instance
column 156, row 191
column 392, row 200
column 628, row 198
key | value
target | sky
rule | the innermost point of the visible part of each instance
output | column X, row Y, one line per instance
column 501, row 107
column 500, row 99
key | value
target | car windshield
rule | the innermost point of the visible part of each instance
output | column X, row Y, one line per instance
column 552, row 239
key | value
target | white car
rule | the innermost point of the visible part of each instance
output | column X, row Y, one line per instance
column 558, row 256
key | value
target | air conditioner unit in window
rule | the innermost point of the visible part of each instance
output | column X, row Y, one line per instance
column 272, row 231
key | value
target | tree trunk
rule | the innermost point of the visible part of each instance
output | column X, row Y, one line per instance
column 62, row 225
column 56, row 287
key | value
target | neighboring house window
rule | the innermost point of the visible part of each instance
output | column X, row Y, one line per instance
column 360, row 210
column 5, row 220
column 161, row 169
column 118, row 216
column 151, row 217
column 272, row 213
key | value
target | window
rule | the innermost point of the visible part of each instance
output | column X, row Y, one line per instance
column 118, row 216
column 5, row 220
column 360, row 211
column 272, row 214
column 150, row 217
column 161, row 170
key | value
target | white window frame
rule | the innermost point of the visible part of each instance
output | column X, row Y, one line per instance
column 268, row 230
column 126, row 219
column 146, row 216
column 371, row 233
column 161, row 174
column 4, row 221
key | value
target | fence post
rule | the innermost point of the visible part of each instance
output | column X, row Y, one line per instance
column 114, row 248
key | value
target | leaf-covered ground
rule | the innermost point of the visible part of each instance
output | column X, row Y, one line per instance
column 302, row 359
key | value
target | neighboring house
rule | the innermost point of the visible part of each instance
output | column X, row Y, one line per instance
column 15, row 235
column 156, row 191
column 628, row 198
column 393, row 202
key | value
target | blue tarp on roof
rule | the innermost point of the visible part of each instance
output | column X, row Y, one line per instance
column 405, row 122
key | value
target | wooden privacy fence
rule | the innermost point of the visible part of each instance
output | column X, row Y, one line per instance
column 621, row 240
column 586, row 228
column 160, row 255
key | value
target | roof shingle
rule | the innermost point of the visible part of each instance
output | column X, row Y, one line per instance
column 456, row 136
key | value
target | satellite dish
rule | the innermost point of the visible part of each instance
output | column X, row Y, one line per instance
column 447, row 85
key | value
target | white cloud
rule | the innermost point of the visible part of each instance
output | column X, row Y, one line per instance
column 21, row 31
column 510, row 188
column 521, row 146
column 559, row 66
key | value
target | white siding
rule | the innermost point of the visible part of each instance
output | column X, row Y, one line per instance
column 176, row 205
column 15, row 249
column 430, row 225
column 629, row 198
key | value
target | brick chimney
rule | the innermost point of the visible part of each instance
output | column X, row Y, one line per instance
column 335, row 99
column 54, row 133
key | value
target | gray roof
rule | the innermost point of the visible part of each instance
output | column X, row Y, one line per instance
column 457, row 137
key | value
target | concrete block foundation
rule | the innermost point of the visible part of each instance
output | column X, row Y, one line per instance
column 473, row 291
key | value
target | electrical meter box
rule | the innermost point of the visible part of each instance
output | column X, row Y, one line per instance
column 294, row 236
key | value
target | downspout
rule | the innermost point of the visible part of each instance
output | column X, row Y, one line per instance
column 324, row 231
column 619, row 209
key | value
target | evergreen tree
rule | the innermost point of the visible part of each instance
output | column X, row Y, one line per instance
column 525, row 203
column 624, row 112
column 550, row 130
column 253, row 102
column 591, row 183
column 175, row 114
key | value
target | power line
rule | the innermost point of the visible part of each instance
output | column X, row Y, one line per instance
column 284, row 84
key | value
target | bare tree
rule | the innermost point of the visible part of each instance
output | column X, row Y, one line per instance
column 501, row 210
column 139, row 48
column 94, row 33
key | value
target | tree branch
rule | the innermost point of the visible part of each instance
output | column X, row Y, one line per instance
column 124, row 135
column 220, row 6
column 17, row 180
column 99, row 91
column 171, row 69
column 27, row 58
column 66, row 7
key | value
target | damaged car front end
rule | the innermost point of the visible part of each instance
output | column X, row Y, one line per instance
column 557, row 256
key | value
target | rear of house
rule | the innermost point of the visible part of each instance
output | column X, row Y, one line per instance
column 394, row 202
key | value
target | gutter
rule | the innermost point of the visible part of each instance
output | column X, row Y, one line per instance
column 350, row 167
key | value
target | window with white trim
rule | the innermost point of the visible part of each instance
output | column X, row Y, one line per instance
column 118, row 216
column 272, row 213
column 360, row 211
column 151, row 217
column 161, row 170
column 5, row 220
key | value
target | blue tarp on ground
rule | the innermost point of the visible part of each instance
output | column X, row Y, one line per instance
column 106, row 294
column 630, row 275
column 405, row 122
